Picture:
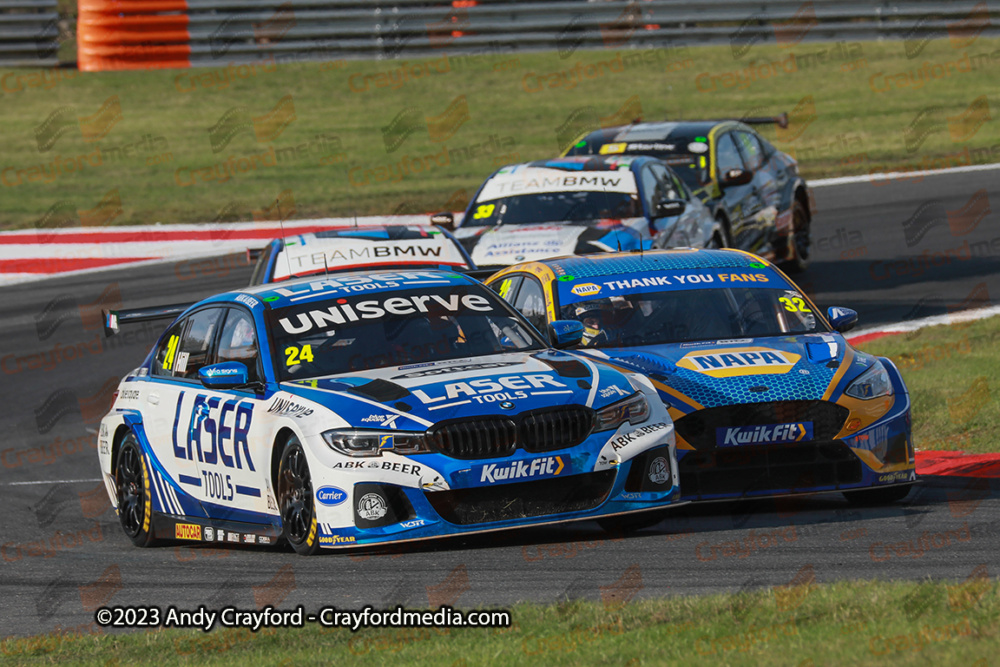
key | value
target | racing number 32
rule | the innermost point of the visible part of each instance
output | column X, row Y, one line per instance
column 794, row 305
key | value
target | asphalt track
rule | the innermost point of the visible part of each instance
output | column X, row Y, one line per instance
column 63, row 554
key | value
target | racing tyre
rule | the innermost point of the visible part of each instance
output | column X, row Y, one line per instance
column 630, row 522
column 295, row 500
column 798, row 241
column 720, row 237
column 883, row 496
column 132, row 489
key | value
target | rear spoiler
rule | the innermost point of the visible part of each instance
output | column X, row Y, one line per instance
column 113, row 319
column 779, row 120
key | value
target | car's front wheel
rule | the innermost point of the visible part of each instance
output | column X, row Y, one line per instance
column 882, row 496
column 295, row 500
column 132, row 489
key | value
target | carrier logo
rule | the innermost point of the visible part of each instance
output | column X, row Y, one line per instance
column 547, row 466
column 330, row 496
column 763, row 434
column 586, row 289
column 740, row 361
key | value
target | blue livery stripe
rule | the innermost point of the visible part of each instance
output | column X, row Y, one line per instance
column 247, row 491
column 185, row 479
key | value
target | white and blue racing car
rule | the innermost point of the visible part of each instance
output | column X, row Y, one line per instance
column 370, row 408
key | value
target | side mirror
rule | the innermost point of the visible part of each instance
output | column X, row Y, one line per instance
column 669, row 208
column 445, row 219
column 565, row 333
column 842, row 319
column 736, row 177
column 227, row 375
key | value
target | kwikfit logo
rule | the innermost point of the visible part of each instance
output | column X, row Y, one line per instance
column 766, row 433
column 547, row 466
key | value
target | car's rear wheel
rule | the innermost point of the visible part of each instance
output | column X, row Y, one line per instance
column 720, row 237
column 132, row 489
column 295, row 500
column 797, row 257
column 878, row 496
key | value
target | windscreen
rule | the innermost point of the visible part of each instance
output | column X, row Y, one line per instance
column 679, row 316
column 534, row 195
column 343, row 334
column 556, row 207
column 689, row 159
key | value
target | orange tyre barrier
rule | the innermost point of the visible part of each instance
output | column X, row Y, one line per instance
column 132, row 34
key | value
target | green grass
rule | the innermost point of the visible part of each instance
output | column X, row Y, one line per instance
column 833, row 624
column 951, row 373
column 166, row 115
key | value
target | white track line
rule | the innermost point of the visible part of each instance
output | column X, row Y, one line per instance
column 52, row 481
column 899, row 175
column 938, row 320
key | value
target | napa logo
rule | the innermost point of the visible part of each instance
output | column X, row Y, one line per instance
column 586, row 289
column 735, row 362
column 330, row 496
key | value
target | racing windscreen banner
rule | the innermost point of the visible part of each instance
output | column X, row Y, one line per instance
column 537, row 180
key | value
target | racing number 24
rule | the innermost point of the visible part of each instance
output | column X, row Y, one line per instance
column 297, row 355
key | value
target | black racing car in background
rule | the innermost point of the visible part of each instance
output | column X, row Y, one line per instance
column 752, row 188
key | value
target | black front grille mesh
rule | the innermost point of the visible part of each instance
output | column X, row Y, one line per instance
column 542, row 430
column 738, row 471
column 479, row 438
column 698, row 428
column 520, row 500
column 555, row 428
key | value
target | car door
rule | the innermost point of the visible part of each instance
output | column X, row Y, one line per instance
column 226, row 428
column 766, row 182
column 173, row 381
column 739, row 201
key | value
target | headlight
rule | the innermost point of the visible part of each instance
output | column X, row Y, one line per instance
column 633, row 410
column 873, row 383
column 373, row 443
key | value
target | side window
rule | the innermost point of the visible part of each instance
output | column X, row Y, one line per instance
column 680, row 187
column 665, row 184
column 650, row 185
column 166, row 354
column 506, row 287
column 727, row 156
column 238, row 341
column 192, row 352
column 752, row 151
column 531, row 302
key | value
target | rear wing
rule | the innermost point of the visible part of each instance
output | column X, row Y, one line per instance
column 113, row 319
column 780, row 120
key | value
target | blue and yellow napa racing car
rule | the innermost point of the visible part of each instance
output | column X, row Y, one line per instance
column 766, row 395
column 369, row 408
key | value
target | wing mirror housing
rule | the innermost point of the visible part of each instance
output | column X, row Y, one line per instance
column 565, row 333
column 227, row 375
column 736, row 177
column 842, row 319
column 444, row 219
column 669, row 208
